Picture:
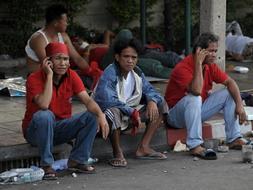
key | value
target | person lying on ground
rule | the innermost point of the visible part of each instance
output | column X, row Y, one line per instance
column 238, row 46
column 48, row 120
column 191, row 102
column 127, row 98
column 153, row 63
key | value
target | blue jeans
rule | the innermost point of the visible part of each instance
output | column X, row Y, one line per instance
column 45, row 132
column 190, row 112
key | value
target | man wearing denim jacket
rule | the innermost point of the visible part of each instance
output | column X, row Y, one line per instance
column 124, row 94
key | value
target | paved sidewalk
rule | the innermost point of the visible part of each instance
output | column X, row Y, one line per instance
column 178, row 172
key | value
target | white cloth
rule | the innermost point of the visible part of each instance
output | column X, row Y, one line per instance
column 128, row 85
column 130, row 98
column 30, row 52
column 236, row 44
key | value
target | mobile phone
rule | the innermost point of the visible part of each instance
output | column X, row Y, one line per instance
column 50, row 62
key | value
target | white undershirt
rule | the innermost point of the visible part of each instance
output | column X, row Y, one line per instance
column 129, row 84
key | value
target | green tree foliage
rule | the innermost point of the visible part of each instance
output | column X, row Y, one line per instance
column 21, row 16
column 241, row 11
column 178, row 23
column 124, row 11
column 18, row 25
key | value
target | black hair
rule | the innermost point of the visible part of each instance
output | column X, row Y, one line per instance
column 203, row 41
column 120, row 45
column 54, row 12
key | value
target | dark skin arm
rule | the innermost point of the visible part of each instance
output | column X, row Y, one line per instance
column 92, row 106
column 152, row 111
column 235, row 93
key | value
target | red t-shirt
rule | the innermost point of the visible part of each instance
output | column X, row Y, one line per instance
column 97, row 54
column 182, row 75
column 60, row 103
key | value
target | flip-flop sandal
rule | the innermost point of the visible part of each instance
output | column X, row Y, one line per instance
column 50, row 174
column 118, row 162
column 153, row 156
column 207, row 154
column 82, row 168
column 238, row 145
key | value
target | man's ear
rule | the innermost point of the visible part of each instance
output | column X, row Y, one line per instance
column 117, row 57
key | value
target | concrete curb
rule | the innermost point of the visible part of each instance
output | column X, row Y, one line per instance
column 101, row 149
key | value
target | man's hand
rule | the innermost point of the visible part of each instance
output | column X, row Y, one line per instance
column 47, row 66
column 103, row 126
column 239, row 110
column 200, row 56
column 152, row 111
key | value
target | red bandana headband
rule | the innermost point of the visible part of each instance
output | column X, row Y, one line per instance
column 55, row 48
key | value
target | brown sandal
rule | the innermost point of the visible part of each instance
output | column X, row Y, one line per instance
column 118, row 162
column 82, row 168
column 50, row 173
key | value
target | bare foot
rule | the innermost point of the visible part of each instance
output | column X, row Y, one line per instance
column 148, row 152
column 197, row 150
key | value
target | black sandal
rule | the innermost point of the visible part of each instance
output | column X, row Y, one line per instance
column 207, row 154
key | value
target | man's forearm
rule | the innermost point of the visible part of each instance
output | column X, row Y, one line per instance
column 44, row 99
column 234, row 91
column 197, row 81
column 94, row 108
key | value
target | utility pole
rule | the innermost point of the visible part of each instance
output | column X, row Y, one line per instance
column 143, row 21
column 213, row 19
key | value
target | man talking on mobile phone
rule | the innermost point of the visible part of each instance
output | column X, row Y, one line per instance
column 48, row 119
column 191, row 101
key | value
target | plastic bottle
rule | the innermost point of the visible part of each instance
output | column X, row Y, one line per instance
column 25, row 178
column 60, row 164
column 8, row 176
column 22, row 175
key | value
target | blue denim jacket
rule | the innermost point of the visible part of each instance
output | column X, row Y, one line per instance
column 106, row 94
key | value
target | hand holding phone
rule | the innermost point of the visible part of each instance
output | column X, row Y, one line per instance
column 200, row 55
column 47, row 65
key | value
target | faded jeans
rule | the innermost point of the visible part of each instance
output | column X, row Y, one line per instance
column 45, row 132
column 190, row 112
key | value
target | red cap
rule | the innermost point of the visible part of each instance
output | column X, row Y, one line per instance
column 55, row 48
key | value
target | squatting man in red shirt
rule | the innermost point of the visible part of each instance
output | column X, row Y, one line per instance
column 191, row 102
column 48, row 119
